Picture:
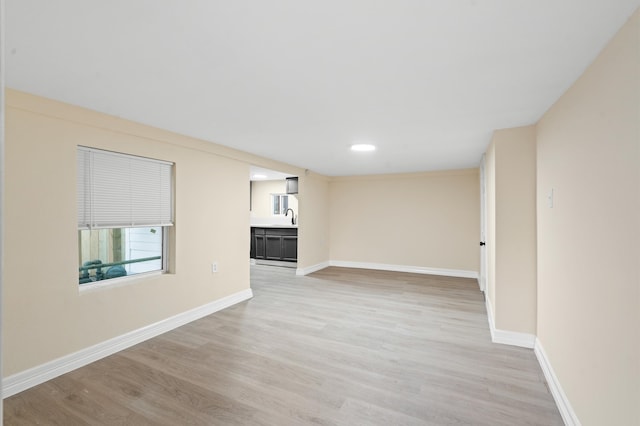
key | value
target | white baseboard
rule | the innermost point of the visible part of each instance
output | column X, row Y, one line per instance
column 513, row 338
column 310, row 269
column 480, row 284
column 564, row 406
column 34, row 376
column 404, row 268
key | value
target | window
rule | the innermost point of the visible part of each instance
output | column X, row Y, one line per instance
column 118, row 252
column 279, row 204
column 124, row 210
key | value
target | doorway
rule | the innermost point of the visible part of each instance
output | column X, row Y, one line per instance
column 273, row 218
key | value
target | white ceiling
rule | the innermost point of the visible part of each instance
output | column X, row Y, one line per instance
column 260, row 173
column 298, row 81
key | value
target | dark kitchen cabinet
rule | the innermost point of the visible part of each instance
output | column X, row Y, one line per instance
column 274, row 244
column 259, row 247
column 273, row 247
column 290, row 248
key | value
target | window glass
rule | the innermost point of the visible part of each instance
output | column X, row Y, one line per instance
column 279, row 204
column 118, row 252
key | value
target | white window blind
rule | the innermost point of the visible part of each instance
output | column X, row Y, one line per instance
column 117, row 190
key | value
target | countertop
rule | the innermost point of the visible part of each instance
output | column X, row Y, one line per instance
column 271, row 225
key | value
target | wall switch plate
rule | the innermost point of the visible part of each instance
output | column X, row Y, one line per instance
column 214, row 267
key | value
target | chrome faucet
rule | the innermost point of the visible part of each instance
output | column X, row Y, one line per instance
column 293, row 215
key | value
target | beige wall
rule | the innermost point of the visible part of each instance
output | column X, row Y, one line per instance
column 44, row 314
column 313, row 228
column 261, row 198
column 588, row 243
column 512, row 229
column 428, row 220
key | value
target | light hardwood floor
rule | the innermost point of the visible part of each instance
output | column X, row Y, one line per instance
column 338, row 347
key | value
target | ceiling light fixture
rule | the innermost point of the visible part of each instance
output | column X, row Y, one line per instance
column 363, row 147
column 259, row 176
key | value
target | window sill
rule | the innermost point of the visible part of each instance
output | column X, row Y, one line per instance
column 116, row 282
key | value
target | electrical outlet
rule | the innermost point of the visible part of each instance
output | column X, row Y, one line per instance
column 214, row 267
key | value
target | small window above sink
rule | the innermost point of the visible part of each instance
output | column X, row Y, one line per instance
column 279, row 204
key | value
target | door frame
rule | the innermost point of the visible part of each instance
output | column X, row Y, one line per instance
column 484, row 265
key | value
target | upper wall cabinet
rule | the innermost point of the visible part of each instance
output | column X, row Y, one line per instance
column 292, row 185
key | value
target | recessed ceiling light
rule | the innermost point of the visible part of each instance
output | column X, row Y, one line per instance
column 259, row 176
column 363, row 147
